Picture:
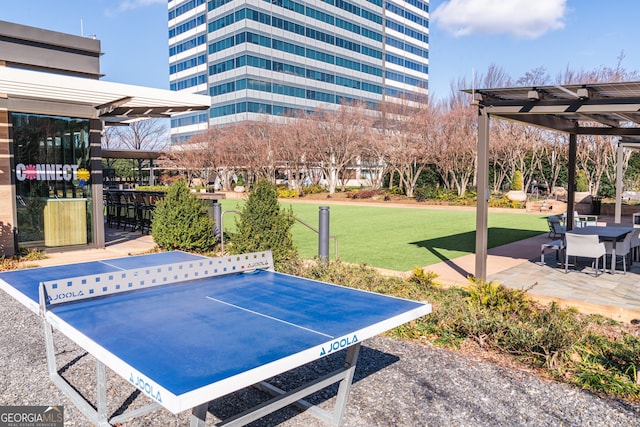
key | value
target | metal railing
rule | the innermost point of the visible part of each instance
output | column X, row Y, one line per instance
column 335, row 238
column 222, row 227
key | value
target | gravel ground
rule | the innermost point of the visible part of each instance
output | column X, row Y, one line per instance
column 397, row 383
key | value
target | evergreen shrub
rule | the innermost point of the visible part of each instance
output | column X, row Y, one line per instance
column 517, row 182
column 156, row 188
column 287, row 193
column 315, row 189
column 181, row 221
column 364, row 194
column 435, row 193
column 396, row 191
column 582, row 181
column 263, row 225
column 504, row 202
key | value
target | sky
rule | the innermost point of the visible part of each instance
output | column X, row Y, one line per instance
column 466, row 36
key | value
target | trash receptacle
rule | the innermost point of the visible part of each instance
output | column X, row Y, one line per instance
column 596, row 203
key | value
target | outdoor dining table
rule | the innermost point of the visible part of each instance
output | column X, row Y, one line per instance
column 609, row 233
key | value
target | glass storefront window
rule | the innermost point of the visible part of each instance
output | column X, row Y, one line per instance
column 53, row 180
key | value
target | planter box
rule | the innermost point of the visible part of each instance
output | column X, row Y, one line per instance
column 582, row 197
column 518, row 196
column 627, row 210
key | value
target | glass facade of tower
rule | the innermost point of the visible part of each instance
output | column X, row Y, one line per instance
column 281, row 57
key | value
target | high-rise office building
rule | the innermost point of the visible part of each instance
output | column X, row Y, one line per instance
column 281, row 57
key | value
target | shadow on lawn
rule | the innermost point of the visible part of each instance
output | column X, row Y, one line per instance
column 466, row 242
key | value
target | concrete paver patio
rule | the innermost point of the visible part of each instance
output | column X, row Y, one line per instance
column 517, row 266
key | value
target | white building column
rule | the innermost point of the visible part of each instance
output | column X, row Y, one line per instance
column 618, row 205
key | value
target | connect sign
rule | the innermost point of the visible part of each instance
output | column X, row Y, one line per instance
column 52, row 172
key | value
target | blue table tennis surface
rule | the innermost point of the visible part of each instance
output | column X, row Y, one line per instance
column 188, row 335
column 26, row 281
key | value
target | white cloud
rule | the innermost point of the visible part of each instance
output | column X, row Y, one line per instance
column 521, row 18
column 126, row 5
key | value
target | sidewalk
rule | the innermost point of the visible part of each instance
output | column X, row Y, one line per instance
column 119, row 243
column 456, row 271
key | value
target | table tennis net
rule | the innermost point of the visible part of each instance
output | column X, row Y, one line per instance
column 90, row 286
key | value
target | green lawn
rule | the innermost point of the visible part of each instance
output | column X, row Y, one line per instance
column 401, row 238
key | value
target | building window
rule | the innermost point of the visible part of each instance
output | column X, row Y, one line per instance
column 52, row 173
column 184, row 8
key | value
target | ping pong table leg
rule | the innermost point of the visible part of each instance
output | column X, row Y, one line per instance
column 100, row 416
column 343, row 376
column 345, row 384
column 199, row 415
column 75, row 397
column 101, row 392
column 50, row 349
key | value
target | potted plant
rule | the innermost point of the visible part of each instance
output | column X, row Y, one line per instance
column 516, row 193
column 582, row 194
column 239, row 187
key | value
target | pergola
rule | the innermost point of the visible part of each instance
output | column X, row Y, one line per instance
column 103, row 103
column 140, row 155
column 610, row 109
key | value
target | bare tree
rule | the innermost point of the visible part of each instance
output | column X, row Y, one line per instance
column 254, row 144
column 504, row 141
column 196, row 158
column 148, row 134
column 496, row 76
column 373, row 159
column 456, row 144
column 535, row 77
column 556, row 152
column 596, row 155
column 404, row 141
column 109, row 139
column 292, row 149
column 338, row 139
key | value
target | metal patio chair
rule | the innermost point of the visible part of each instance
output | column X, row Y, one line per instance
column 584, row 245
column 555, row 228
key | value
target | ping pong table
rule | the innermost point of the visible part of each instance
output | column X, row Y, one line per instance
column 186, row 329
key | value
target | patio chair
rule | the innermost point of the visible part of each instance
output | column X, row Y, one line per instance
column 635, row 245
column 557, row 245
column 584, row 245
column 623, row 249
column 546, row 205
column 555, row 228
column 589, row 220
column 580, row 220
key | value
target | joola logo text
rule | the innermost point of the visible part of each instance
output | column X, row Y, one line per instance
column 338, row 345
column 145, row 386
column 65, row 296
